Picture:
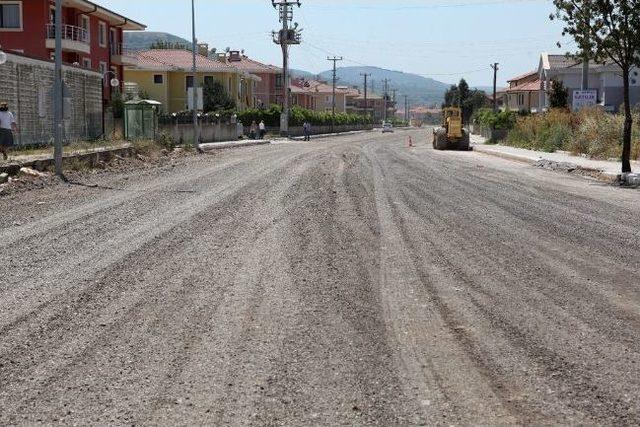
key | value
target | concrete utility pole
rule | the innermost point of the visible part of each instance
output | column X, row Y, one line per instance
column 335, row 60
column 386, row 97
column 284, row 38
column 586, row 55
column 194, row 96
column 366, row 101
column 406, row 108
column 495, row 86
column 57, row 92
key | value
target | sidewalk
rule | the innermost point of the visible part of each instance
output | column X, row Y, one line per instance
column 601, row 169
column 233, row 144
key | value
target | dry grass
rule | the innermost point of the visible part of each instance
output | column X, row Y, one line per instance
column 591, row 131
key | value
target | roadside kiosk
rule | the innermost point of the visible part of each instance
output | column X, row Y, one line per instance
column 141, row 119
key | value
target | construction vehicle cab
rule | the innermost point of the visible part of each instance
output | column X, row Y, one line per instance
column 451, row 135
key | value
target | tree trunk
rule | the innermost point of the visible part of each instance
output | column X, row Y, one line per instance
column 628, row 124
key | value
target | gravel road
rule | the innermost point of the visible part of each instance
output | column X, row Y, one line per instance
column 347, row 281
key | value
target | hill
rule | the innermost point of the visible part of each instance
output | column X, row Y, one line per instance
column 419, row 90
column 144, row 39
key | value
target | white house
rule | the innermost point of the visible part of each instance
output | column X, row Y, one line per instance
column 606, row 79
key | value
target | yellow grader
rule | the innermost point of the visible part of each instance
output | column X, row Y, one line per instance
column 451, row 135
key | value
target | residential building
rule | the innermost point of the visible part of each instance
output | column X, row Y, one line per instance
column 318, row 96
column 523, row 93
column 605, row 79
column 269, row 89
column 374, row 106
column 91, row 35
column 165, row 75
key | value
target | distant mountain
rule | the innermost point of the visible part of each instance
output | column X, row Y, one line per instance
column 419, row 90
column 144, row 39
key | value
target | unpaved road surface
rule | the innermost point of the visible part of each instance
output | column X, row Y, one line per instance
column 349, row 281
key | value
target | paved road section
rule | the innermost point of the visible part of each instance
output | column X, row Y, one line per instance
column 350, row 281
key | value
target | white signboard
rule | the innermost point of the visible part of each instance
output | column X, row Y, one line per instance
column 584, row 98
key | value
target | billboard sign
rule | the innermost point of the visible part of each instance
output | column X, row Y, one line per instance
column 584, row 98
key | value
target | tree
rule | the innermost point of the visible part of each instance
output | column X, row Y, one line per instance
column 558, row 95
column 610, row 29
column 461, row 96
column 216, row 97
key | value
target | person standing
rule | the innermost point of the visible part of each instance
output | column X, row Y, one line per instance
column 263, row 129
column 253, row 130
column 306, row 128
column 8, row 126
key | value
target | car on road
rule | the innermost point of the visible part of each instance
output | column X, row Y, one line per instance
column 387, row 128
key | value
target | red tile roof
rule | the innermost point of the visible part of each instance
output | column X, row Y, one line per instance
column 249, row 65
column 526, row 87
column 522, row 76
column 176, row 59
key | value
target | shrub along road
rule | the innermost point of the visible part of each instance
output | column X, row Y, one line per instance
column 352, row 280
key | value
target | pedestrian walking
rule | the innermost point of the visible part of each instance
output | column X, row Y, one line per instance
column 8, row 126
column 253, row 130
column 306, row 129
column 263, row 129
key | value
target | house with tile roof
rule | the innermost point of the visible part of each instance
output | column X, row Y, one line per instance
column 604, row 78
column 166, row 75
column 317, row 96
column 269, row 90
column 523, row 93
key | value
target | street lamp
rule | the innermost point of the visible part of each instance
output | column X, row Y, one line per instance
column 114, row 82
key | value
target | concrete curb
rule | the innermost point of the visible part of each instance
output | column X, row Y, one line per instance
column 598, row 174
column 45, row 161
column 233, row 144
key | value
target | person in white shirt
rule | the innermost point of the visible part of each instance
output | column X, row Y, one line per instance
column 263, row 129
column 8, row 126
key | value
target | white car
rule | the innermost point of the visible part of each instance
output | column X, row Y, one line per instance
column 387, row 128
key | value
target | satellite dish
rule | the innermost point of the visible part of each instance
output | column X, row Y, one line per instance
column 115, row 82
column 3, row 57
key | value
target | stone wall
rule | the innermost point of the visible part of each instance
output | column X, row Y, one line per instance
column 27, row 85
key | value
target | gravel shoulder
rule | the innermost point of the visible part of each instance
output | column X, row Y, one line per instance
column 350, row 281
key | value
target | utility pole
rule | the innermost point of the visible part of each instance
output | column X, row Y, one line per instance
column 495, row 86
column 284, row 38
column 366, row 101
column 335, row 60
column 386, row 97
column 57, row 92
column 406, row 108
column 586, row 54
column 194, row 96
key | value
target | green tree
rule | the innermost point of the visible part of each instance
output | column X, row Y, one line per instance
column 216, row 97
column 558, row 95
column 462, row 96
column 610, row 29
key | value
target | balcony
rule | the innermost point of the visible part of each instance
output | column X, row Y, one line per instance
column 122, row 55
column 74, row 39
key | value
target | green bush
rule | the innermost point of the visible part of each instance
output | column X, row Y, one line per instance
column 486, row 118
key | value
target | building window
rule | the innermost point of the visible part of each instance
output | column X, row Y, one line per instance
column 10, row 16
column 158, row 79
column 84, row 24
column 86, row 63
column 113, row 42
column 102, row 34
column 208, row 80
column 189, row 82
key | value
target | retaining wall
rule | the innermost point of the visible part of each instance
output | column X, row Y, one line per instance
column 27, row 85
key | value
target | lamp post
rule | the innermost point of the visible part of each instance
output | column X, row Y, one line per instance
column 114, row 82
column 57, row 91
column 194, row 97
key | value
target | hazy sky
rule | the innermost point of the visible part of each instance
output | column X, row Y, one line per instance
column 442, row 39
